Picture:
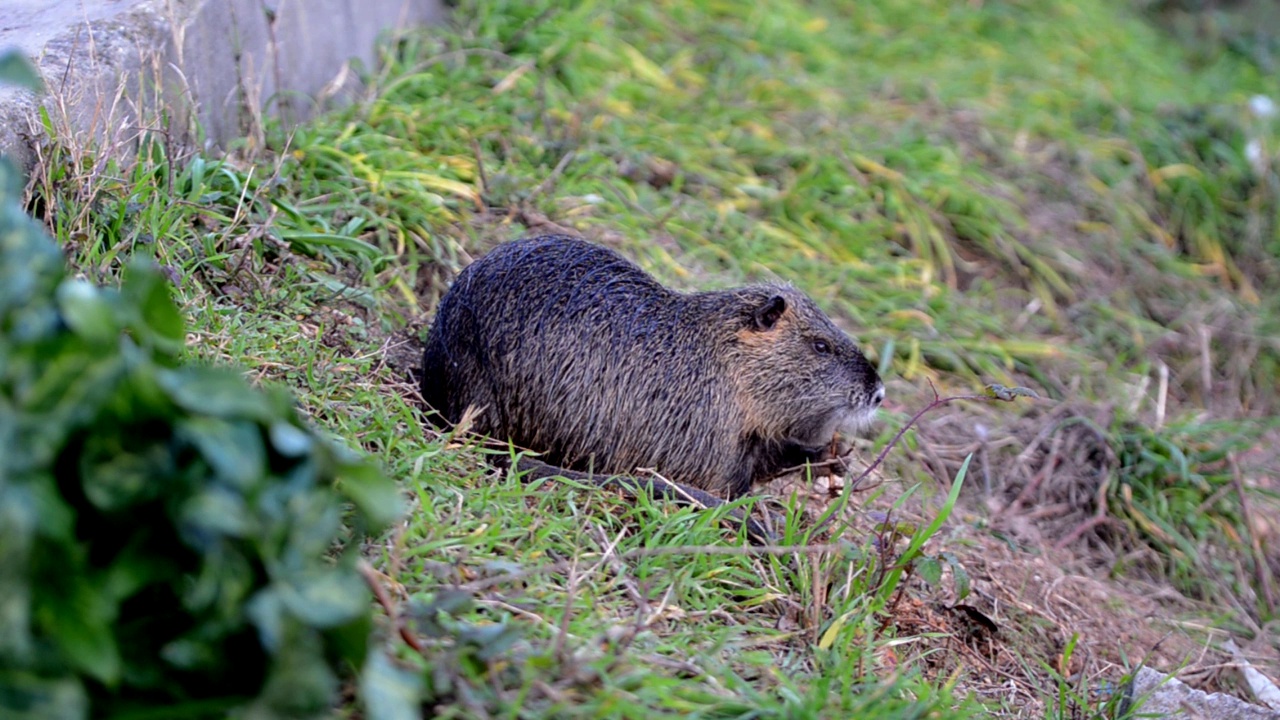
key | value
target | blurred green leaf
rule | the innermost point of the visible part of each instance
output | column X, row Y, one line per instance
column 69, row 394
column 225, row 581
column 233, row 449
column 214, row 391
column 38, row 499
column 959, row 574
column 27, row 696
column 375, row 496
column 433, row 617
column 290, row 441
column 929, row 569
column 267, row 611
column 134, row 568
column 146, row 288
column 79, row 621
column 115, row 478
column 86, row 309
column 491, row 641
column 388, row 691
column 28, row 270
column 351, row 640
column 11, row 180
column 15, row 69
column 300, row 682
column 1008, row 394
column 314, row 520
column 325, row 599
column 17, row 535
column 150, row 539
column 214, row 513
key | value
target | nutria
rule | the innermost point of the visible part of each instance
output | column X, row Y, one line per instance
column 567, row 348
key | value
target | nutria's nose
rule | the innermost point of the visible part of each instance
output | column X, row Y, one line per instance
column 877, row 397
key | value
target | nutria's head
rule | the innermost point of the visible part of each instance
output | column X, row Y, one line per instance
column 800, row 378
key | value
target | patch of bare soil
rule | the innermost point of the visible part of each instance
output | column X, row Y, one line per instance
column 1038, row 614
column 402, row 352
column 1033, row 533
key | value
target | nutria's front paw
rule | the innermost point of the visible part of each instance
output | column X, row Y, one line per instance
column 836, row 455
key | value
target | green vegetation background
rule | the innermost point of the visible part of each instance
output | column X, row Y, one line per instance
column 1057, row 194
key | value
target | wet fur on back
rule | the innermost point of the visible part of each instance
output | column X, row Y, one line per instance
column 574, row 351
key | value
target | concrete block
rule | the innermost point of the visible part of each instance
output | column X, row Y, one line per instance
column 111, row 66
column 1171, row 698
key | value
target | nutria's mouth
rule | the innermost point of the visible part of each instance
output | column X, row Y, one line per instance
column 855, row 419
column 847, row 420
column 860, row 413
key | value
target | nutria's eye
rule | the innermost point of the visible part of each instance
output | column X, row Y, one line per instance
column 821, row 347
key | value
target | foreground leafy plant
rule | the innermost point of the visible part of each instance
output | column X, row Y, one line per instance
column 163, row 528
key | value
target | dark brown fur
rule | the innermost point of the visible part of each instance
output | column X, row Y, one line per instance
column 571, row 350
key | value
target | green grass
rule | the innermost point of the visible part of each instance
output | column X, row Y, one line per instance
column 1038, row 193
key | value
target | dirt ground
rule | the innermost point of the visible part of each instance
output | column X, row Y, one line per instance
column 1055, row 580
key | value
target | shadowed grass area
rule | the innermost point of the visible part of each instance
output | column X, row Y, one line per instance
column 1045, row 194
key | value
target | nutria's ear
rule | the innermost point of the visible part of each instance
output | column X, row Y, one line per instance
column 766, row 315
